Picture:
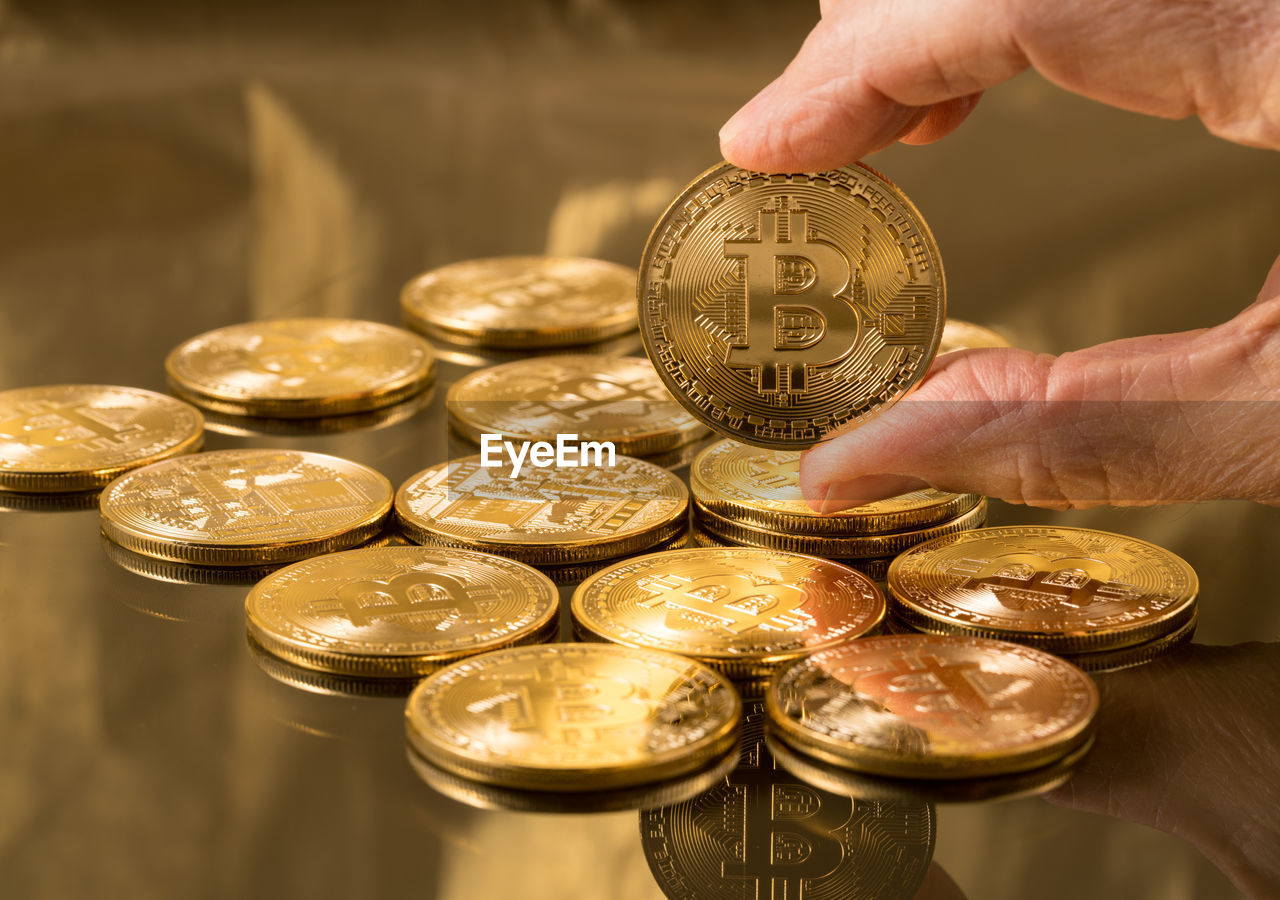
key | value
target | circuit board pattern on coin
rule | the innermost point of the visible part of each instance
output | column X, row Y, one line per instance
column 1063, row 589
column 760, row 488
column 573, row 716
column 300, row 367
column 779, row 308
column 763, row 833
column 233, row 507
column 599, row 398
column 930, row 706
column 523, row 301
column 546, row 516
column 741, row 610
column 77, row 437
column 397, row 611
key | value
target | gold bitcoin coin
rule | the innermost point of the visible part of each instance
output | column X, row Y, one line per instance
column 546, row 516
column 739, row 610
column 245, row 507
column 875, row 567
column 64, row 438
column 300, row 368
column 1069, row 590
column 598, row 398
column 781, row 308
column 1135, row 654
column 395, row 612
column 927, row 706
column 837, row 547
column 523, row 302
column 574, row 717
column 763, row 833
column 958, row 334
column 760, row 488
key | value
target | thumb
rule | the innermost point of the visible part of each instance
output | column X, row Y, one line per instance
column 1159, row 419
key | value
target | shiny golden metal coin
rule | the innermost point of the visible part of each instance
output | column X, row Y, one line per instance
column 925, row 706
column 245, row 507
column 598, row 398
column 958, row 334
column 1134, row 654
column 764, row 834
column 300, row 368
column 396, row 612
column 875, row 568
column 64, row 438
column 861, row 546
column 780, row 308
column 546, row 516
column 760, row 488
column 1069, row 590
column 742, row 611
column 523, row 302
column 574, row 717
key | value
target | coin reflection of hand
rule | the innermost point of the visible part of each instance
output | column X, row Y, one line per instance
column 873, row 73
column 1188, row 745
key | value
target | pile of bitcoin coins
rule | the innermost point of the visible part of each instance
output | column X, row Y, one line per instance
column 722, row 639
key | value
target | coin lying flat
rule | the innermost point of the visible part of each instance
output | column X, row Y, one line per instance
column 523, row 301
column 598, row 398
column 395, row 612
column 63, row 438
column 763, row 833
column 300, row 368
column 245, row 507
column 760, row 488
column 739, row 610
column 1070, row 590
column 780, row 308
column 546, row 516
column 573, row 717
column 927, row 706
column 858, row 546
column 958, row 334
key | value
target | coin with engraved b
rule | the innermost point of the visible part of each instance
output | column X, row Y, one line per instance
column 742, row 611
column 928, row 706
column 245, row 507
column 300, row 368
column 398, row 612
column 574, row 717
column 1067, row 590
column 61, row 438
column 781, row 308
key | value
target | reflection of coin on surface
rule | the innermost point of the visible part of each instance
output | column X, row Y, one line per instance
column 780, row 308
column 300, row 368
column 764, row 833
column 75, row 438
column 245, row 507
column 958, row 334
column 523, row 302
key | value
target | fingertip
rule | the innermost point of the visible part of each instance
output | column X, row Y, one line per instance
column 940, row 120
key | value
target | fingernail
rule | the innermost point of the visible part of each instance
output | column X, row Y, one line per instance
column 867, row 489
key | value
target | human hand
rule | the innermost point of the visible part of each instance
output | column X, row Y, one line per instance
column 1146, row 420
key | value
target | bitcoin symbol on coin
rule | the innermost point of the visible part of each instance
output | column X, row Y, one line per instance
column 735, row 603
column 947, row 693
column 568, row 706
column 796, row 306
column 65, row 425
column 288, row 357
column 363, row 603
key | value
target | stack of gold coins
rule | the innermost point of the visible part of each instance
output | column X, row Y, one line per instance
column 66, row 438
column 1102, row 600
column 933, row 707
column 573, row 717
column 300, row 368
column 750, row 496
column 615, row 399
column 245, row 507
column 560, row 519
column 522, row 302
column 398, row 612
column 742, row 611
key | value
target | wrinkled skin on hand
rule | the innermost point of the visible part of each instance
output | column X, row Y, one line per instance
column 1156, row 419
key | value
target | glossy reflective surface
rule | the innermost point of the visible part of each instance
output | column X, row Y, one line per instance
column 166, row 170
